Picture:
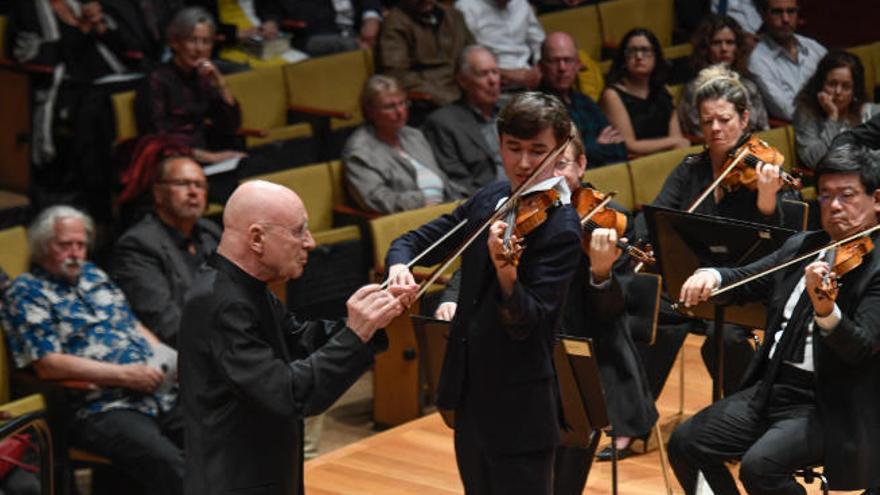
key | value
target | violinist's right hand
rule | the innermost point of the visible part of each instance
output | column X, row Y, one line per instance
column 698, row 287
column 446, row 311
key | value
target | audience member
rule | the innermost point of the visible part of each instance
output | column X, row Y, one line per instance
column 559, row 66
column 250, row 371
column 334, row 25
column 635, row 98
column 155, row 261
column 745, row 14
column 719, row 40
column 464, row 135
column 419, row 43
column 181, row 96
column 510, row 29
column 86, row 54
column 832, row 101
column 142, row 25
column 243, row 22
column 783, row 60
column 67, row 321
column 389, row 166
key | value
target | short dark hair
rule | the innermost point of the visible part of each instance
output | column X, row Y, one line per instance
column 763, row 5
column 618, row 64
column 848, row 159
column 529, row 113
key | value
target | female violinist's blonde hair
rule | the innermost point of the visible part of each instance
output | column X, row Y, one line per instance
column 717, row 82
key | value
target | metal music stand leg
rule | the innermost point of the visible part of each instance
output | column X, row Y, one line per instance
column 613, row 464
column 718, row 379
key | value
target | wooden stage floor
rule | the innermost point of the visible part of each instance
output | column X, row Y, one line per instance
column 417, row 458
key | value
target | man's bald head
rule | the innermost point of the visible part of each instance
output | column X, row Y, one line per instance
column 265, row 231
column 559, row 62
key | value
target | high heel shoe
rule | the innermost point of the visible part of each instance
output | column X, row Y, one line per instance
column 636, row 446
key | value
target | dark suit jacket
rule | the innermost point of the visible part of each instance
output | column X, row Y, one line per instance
column 249, row 373
column 459, row 147
column 866, row 134
column 499, row 357
column 846, row 361
column 152, row 271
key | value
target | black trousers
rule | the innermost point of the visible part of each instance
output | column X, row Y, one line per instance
column 772, row 444
column 572, row 467
column 137, row 444
column 484, row 472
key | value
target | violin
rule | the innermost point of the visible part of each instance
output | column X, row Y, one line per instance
column 593, row 212
column 740, row 168
column 530, row 212
column 847, row 257
column 749, row 154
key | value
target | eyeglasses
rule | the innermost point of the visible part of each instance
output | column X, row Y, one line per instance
column 301, row 233
column 560, row 60
column 788, row 11
column 185, row 183
column 845, row 197
column 634, row 51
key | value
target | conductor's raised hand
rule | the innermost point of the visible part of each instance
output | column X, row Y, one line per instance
column 371, row 308
column 698, row 288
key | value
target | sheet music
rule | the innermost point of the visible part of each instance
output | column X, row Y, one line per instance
column 221, row 167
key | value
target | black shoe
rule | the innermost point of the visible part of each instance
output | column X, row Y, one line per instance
column 622, row 453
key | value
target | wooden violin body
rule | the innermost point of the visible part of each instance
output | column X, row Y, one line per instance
column 847, row 257
column 594, row 213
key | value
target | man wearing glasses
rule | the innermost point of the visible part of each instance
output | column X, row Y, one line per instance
column 809, row 396
column 155, row 261
column 782, row 60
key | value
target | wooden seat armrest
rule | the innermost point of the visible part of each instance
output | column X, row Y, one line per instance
column 348, row 211
column 320, row 112
column 419, row 96
column 248, row 132
column 293, row 24
column 774, row 122
column 76, row 385
column 694, row 139
column 27, row 68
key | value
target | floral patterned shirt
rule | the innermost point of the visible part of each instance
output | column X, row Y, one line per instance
column 91, row 319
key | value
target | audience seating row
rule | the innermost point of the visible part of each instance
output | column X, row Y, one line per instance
column 602, row 25
column 870, row 57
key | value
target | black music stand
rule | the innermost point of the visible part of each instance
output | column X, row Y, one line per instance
column 685, row 241
column 431, row 337
column 583, row 400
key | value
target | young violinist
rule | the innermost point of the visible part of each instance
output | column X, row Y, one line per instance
column 498, row 375
column 594, row 308
column 810, row 395
column 723, row 106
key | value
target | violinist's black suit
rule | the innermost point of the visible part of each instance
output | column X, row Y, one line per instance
column 786, row 418
column 498, row 372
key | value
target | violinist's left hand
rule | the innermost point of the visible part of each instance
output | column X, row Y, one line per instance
column 498, row 254
column 769, row 183
column 603, row 253
column 814, row 274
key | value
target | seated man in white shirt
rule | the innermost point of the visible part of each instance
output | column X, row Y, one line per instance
column 783, row 60
column 510, row 29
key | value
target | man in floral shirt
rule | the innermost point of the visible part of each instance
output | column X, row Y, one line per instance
column 66, row 320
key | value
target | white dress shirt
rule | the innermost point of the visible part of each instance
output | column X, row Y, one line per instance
column 779, row 77
column 513, row 33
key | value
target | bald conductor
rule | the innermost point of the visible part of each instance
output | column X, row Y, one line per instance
column 249, row 370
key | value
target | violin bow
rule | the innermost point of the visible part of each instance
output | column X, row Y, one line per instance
column 499, row 212
column 774, row 269
column 427, row 250
column 604, row 202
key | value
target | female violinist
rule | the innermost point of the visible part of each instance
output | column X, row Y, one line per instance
column 723, row 104
column 498, row 375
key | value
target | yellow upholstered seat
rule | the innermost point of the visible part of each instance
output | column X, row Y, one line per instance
column 866, row 54
column 262, row 97
column 650, row 172
column 330, row 83
column 616, row 178
column 581, row 23
column 620, row 16
column 123, row 113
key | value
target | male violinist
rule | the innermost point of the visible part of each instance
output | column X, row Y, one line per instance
column 498, row 375
column 594, row 308
column 810, row 395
